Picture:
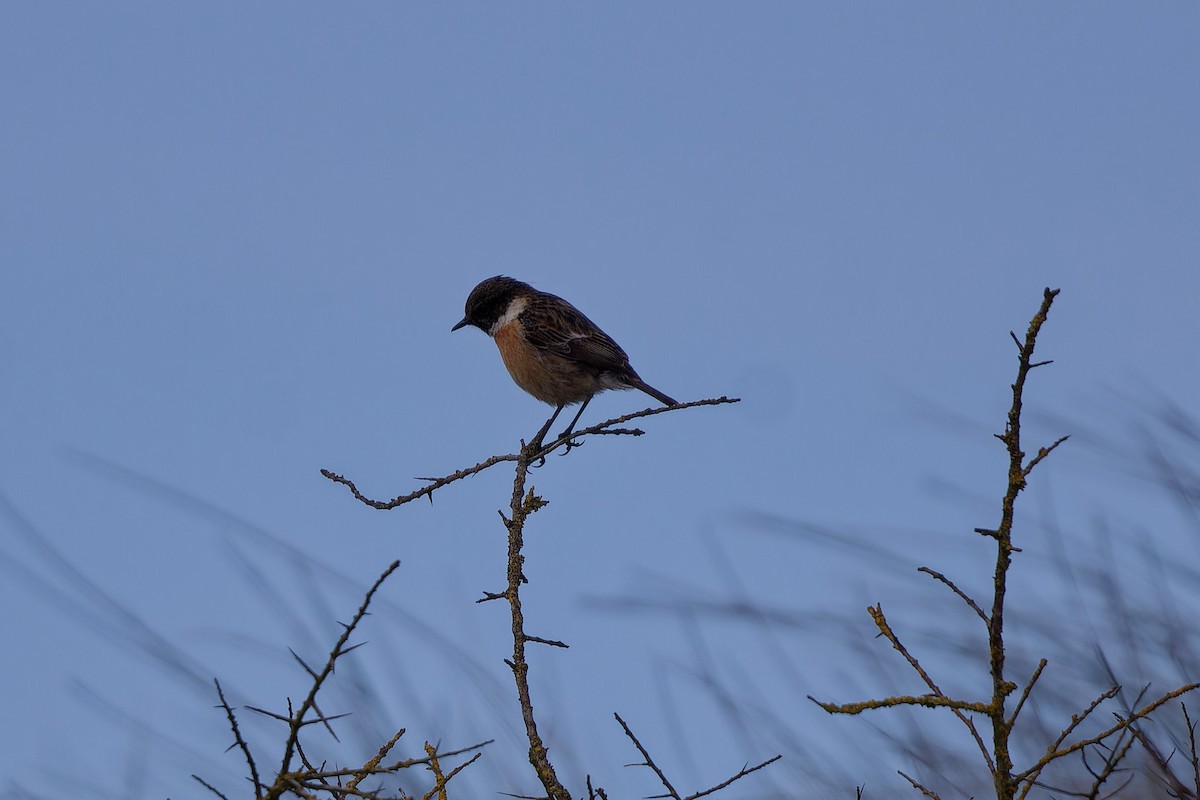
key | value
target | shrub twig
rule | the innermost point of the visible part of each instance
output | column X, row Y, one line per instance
column 338, row 782
column 648, row 762
column 1010, row 782
column 606, row 427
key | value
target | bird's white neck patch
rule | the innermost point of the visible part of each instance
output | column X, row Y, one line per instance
column 515, row 307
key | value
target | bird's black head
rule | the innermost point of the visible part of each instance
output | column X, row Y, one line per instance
column 490, row 300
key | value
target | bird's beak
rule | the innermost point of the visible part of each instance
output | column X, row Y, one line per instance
column 465, row 322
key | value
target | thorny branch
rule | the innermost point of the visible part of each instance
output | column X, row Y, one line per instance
column 339, row 649
column 1006, row 778
column 603, row 428
column 1056, row 751
column 671, row 792
column 238, row 741
column 1005, row 782
column 311, row 779
column 522, row 504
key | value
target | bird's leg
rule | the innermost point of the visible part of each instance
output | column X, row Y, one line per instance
column 536, row 444
column 571, row 427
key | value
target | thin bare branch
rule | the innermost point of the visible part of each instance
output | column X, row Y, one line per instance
column 1056, row 751
column 412, row 762
column 298, row 716
column 605, row 427
column 239, row 742
column 373, row 764
column 597, row 793
column 743, row 772
column 924, row 700
column 1043, row 452
column 521, row 504
column 1031, row 775
column 426, row 491
column 1165, row 775
column 451, row 774
column 962, row 595
column 372, row 767
column 1194, row 757
column 956, row 707
column 648, row 762
column 435, row 766
column 1037, row 673
column 548, row 642
column 1005, row 784
column 877, row 615
column 919, row 787
column 1112, row 761
column 209, row 786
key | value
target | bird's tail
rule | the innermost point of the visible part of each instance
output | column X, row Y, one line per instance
column 655, row 393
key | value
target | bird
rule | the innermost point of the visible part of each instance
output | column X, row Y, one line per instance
column 550, row 348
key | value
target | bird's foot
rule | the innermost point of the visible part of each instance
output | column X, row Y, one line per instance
column 571, row 443
column 531, row 450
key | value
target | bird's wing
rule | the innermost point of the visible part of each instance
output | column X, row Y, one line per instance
column 598, row 350
column 563, row 329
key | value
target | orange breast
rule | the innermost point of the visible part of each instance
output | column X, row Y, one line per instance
column 550, row 378
column 521, row 360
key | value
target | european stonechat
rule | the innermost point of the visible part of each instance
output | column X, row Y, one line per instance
column 550, row 348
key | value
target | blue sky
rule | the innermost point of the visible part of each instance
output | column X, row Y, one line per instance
column 235, row 238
